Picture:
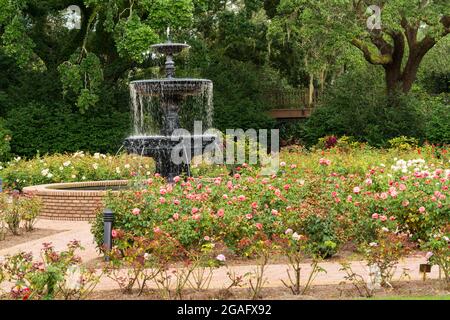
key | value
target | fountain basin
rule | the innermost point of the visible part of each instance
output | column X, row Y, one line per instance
column 75, row 201
column 160, row 148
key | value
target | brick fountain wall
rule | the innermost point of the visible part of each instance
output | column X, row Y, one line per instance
column 74, row 205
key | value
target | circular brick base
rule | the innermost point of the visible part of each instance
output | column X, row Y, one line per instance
column 59, row 203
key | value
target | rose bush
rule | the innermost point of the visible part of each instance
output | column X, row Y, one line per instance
column 19, row 173
column 18, row 211
column 58, row 275
column 330, row 196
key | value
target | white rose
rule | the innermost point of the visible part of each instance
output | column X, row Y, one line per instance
column 296, row 236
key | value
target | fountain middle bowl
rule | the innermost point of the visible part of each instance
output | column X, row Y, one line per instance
column 158, row 87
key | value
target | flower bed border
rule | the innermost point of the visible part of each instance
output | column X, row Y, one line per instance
column 72, row 205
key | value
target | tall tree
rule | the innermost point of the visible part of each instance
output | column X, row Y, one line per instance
column 396, row 37
column 114, row 37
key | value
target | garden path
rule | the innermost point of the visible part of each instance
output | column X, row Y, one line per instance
column 275, row 272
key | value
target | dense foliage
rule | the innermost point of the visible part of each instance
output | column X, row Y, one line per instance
column 61, row 83
column 76, row 167
column 331, row 197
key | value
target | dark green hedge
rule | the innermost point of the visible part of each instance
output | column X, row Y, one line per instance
column 54, row 128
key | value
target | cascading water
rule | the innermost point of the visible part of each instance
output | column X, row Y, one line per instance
column 161, row 106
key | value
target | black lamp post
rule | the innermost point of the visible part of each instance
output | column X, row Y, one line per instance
column 108, row 219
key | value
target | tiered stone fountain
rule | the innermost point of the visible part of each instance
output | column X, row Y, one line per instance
column 160, row 107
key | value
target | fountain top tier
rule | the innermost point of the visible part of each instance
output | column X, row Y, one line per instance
column 170, row 48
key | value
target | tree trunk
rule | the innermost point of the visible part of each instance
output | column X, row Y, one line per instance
column 311, row 90
column 393, row 79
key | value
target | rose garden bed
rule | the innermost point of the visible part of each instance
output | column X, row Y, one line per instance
column 383, row 205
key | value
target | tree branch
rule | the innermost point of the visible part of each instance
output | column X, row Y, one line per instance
column 377, row 39
column 376, row 59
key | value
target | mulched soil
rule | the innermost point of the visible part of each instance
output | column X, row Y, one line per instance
column 429, row 287
column 12, row 240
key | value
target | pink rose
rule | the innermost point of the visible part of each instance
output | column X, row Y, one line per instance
column 375, row 216
column 383, row 218
column 176, row 179
column 259, row 226
column 176, row 202
column 114, row 233
column 176, row 216
column 249, row 216
column 287, row 187
column 254, row 205
column 241, row 198
column 194, row 210
column 275, row 212
column 221, row 258
column 206, row 238
column 282, row 164
column 422, row 209
column 196, row 217
column 136, row 211
column 384, row 195
column 356, row 190
column 402, row 187
column 324, row 162
column 156, row 230
column 405, row 203
column 349, row 199
column 220, row 212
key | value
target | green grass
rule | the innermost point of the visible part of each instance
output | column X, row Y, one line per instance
column 443, row 297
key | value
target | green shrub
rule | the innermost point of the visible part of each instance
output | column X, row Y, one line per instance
column 403, row 143
column 437, row 129
column 5, row 138
column 52, row 128
column 356, row 105
column 322, row 235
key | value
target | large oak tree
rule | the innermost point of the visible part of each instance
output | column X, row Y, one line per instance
column 408, row 31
